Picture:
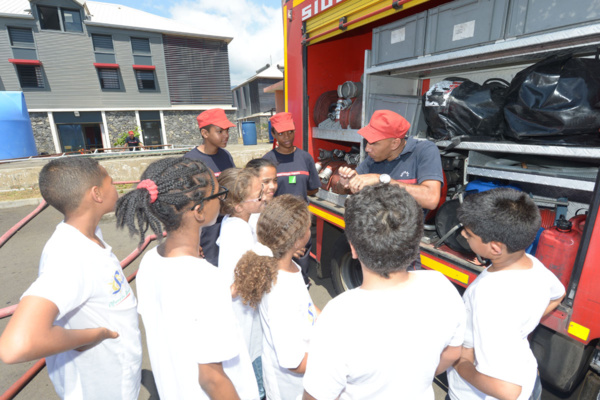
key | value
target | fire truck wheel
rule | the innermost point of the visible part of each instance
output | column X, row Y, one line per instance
column 346, row 273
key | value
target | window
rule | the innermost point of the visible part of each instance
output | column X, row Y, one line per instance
column 30, row 76
column 145, row 80
column 69, row 21
column 140, row 45
column 109, row 78
column 103, row 47
column 141, row 51
column 49, row 18
column 23, row 46
column 21, row 37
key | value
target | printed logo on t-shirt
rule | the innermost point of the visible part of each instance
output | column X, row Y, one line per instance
column 119, row 295
column 117, row 282
column 404, row 174
column 312, row 313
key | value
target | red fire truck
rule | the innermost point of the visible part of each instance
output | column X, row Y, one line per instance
column 344, row 59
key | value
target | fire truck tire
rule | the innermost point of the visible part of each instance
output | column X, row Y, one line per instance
column 346, row 273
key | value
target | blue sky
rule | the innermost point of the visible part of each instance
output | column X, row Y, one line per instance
column 255, row 25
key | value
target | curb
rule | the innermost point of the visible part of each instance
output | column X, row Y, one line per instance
column 20, row 203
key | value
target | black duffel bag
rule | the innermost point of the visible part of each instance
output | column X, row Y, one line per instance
column 458, row 107
column 555, row 101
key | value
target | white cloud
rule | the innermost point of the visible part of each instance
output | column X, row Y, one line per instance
column 257, row 31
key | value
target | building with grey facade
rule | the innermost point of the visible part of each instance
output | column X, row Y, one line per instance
column 91, row 71
column 251, row 100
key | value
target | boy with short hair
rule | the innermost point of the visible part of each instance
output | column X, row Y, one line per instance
column 506, row 301
column 214, row 128
column 390, row 337
column 81, row 297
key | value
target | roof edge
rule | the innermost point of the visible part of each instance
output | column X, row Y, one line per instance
column 21, row 16
column 178, row 33
column 253, row 78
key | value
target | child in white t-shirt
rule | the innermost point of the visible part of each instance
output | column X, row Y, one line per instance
column 506, row 301
column 81, row 296
column 269, row 279
column 390, row 337
column 236, row 237
column 195, row 344
column 267, row 173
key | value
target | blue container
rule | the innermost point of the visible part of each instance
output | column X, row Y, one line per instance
column 249, row 133
column 16, row 135
column 482, row 186
column 271, row 139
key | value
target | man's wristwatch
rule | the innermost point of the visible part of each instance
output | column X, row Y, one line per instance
column 385, row 178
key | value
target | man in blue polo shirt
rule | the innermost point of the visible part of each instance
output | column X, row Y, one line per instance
column 393, row 158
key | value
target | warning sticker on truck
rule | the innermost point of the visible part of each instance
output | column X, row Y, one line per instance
column 463, row 31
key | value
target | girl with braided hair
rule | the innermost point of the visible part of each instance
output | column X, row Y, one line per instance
column 268, row 279
column 195, row 345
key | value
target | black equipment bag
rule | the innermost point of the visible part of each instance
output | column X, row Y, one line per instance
column 458, row 107
column 555, row 101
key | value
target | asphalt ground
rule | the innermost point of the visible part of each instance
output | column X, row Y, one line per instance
column 19, row 259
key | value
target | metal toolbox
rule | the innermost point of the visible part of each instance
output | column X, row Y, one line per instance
column 465, row 23
column 536, row 16
column 399, row 40
column 407, row 106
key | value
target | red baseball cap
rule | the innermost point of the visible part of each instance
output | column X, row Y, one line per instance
column 385, row 124
column 282, row 122
column 214, row 116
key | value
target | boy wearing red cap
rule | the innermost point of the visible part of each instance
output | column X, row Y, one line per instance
column 132, row 141
column 214, row 128
column 393, row 158
column 296, row 172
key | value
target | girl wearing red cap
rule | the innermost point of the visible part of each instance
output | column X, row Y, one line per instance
column 296, row 172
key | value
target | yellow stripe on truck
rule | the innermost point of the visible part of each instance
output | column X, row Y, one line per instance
column 328, row 217
column 444, row 269
column 285, row 60
column 579, row 331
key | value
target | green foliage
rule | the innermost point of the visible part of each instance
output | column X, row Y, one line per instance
column 121, row 139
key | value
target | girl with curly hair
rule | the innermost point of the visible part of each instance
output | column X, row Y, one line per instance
column 268, row 279
column 246, row 194
column 196, row 348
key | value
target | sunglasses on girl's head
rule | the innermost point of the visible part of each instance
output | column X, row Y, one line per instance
column 221, row 195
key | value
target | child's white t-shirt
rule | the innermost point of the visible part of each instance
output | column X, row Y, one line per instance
column 287, row 315
column 235, row 240
column 253, row 221
column 87, row 285
column 503, row 308
column 186, row 310
column 384, row 344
